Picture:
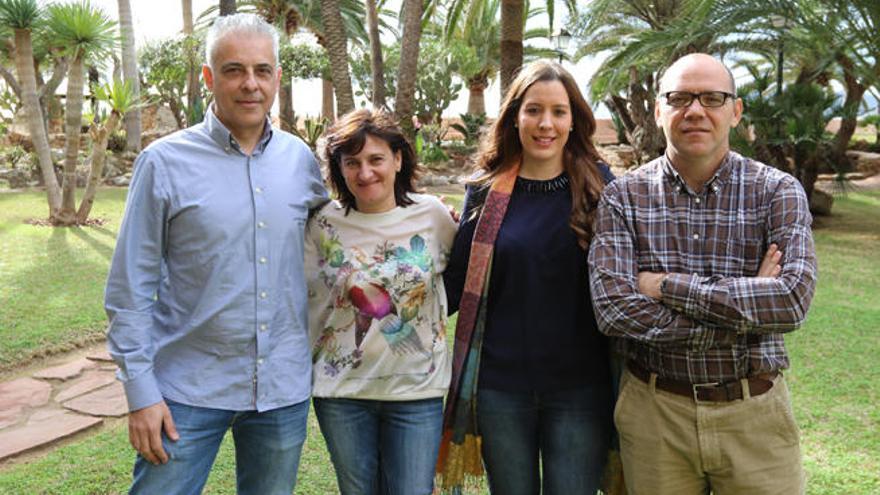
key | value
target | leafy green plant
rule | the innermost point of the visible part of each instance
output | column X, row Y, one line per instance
column 471, row 127
column 12, row 155
column 436, row 86
column 429, row 144
column 163, row 66
column 787, row 130
column 312, row 130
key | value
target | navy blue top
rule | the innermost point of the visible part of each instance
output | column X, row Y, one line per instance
column 541, row 333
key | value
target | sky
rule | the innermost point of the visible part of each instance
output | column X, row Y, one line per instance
column 159, row 19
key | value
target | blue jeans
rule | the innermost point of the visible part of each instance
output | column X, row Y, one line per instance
column 267, row 450
column 387, row 447
column 563, row 435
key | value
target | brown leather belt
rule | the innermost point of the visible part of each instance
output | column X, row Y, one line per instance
column 706, row 392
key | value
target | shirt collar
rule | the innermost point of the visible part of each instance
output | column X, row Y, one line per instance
column 714, row 184
column 221, row 135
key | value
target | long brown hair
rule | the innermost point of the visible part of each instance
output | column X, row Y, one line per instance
column 501, row 148
column 348, row 136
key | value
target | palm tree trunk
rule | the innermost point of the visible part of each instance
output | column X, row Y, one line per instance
column 227, row 7
column 855, row 90
column 285, row 103
column 24, row 64
column 511, row 41
column 476, row 99
column 192, row 78
column 327, row 110
column 72, row 131
column 100, row 135
column 337, row 51
column 377, row 66
column 130, row 74
column 409, row 62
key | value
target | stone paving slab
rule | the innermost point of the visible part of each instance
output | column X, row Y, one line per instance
column 89, row 381
column 105, row 401
column 18, row 395
column 42, row 428
column 101, row 356
column 66, row 371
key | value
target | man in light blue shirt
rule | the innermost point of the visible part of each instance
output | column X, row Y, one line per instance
column 206, row 294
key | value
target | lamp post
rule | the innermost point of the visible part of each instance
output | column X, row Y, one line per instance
column 560, row 40
column 781, row 24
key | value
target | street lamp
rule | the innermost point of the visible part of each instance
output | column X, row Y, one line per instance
column 560, row 40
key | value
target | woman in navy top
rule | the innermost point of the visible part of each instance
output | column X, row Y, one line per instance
column 530, row 343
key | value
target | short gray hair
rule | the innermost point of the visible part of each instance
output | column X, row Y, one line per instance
column 238, row 23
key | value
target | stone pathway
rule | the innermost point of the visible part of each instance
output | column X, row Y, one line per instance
column 58, row 401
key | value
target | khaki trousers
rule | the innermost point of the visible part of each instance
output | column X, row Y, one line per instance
column 670, row 444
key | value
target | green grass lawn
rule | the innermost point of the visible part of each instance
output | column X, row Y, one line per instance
column 50, row 299
column 52, row 279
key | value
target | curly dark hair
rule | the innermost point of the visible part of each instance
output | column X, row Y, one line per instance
column 347, row 137
column 501, row 147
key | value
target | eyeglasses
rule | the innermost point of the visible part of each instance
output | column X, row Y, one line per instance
column 709, row 99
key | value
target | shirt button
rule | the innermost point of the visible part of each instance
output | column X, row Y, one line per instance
column 264, row 295
column 260, row 361
column 263, row 260
column 696, row 236
column 259, row 190
column 261, row 225
column 263, row 327
column 697, row 200
column 696, row 274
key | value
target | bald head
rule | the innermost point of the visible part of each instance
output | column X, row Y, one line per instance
column 696, row 65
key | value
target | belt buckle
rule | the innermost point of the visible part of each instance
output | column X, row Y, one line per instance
column 696, row 387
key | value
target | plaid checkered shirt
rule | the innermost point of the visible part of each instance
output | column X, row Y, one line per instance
column 717, row 321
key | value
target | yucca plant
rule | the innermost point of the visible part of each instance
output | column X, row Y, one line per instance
column 23, row 18
column 87, row 33
column 121, row 98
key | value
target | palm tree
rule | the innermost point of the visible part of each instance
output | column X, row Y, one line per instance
column 130, row 74
column 475, row 38
column 23, row 17
column 857, row 36
column 122, row 99
column 337, row 51
column 87, row 33
column 644, row 37
column 409, row 59
column 289, row 16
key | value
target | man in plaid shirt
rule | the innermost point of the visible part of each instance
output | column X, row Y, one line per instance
column 701, row 260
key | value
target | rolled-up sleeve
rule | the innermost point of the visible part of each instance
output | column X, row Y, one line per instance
column 135, row 273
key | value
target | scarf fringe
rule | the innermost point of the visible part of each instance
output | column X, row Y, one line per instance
column 459, row 461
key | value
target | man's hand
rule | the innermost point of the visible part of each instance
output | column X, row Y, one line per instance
column 649, row 284
column 770, row 266
column 145, row 431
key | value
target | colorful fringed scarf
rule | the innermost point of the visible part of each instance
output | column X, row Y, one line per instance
column 460, row 446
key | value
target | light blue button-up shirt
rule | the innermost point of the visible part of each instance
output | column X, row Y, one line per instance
column 206, row 294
